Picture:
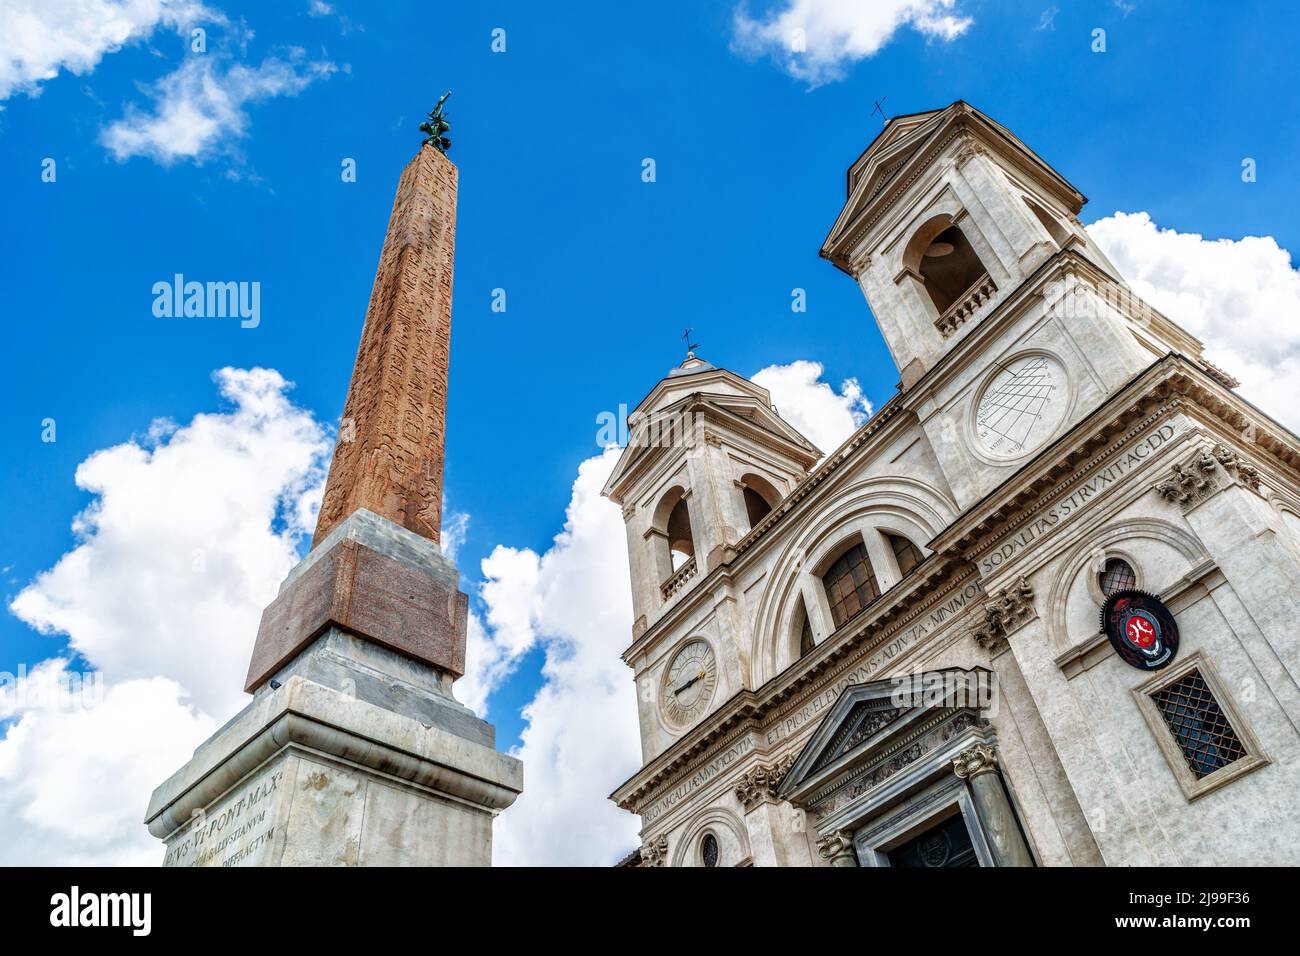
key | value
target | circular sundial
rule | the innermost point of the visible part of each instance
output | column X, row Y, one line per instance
column 1021, row 406
column 689, row 682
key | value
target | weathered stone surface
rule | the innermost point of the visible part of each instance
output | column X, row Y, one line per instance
column 371, row 595
column 389, row 457
column 308, row 776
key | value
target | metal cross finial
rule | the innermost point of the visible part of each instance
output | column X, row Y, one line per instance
column 690, row 346
column 880, row 109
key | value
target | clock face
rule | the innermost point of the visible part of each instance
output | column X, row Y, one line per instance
column 1021, row 406
column 689, row 682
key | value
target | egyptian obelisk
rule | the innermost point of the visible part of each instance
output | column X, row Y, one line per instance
column 353, row 750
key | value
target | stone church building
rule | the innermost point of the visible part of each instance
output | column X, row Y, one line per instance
column 1039, row 610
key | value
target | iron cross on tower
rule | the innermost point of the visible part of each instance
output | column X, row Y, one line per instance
column 880, row 104
column 690, row 346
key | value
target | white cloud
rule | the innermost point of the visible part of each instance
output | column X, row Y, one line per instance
column 1240, row 297
column 178, row 554
column 40, row 37
column 75, row 780
column 190, row 532
column 825, row 417
column 581, row 740
column 200, row 107
column 817, row 40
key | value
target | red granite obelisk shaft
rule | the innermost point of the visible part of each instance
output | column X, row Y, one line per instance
column 389, row 456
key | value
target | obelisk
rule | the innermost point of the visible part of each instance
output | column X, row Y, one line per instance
column 353, row 750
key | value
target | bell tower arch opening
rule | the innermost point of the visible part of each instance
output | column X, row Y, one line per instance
column 948, row 265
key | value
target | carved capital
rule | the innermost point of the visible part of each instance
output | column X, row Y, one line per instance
column 981, row 758
column 656, row 852
column 1003, row 614
column 837, row 848
column 629, row 510
column 712, row 438
column 967, row 149
column 1235, row 465
column 859, row 262
column 1190, row 483
column 759, row 784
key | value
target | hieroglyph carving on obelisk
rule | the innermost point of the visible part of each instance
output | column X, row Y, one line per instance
column 389, row 456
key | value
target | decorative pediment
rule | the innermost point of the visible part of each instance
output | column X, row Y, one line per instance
column 696, row 416
column 877, row 730
column 906, row 146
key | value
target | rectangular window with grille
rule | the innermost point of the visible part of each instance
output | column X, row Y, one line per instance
column 1198, row 724
column 1202, row 735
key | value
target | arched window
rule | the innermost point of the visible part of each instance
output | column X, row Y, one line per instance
column 1117, row 575
column 681, row 543
column 755, row 507
column 760, row 497
column 850, row 584
column 906, row 554
column 709, row 851
column 671, row 538
column 950, row 268
column 1050, row 223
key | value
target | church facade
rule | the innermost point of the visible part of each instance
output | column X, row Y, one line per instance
column 1040, row 609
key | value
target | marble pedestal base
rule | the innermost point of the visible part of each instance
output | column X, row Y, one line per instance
column 351, row 754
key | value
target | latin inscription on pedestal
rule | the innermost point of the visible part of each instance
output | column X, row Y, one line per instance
column 235, row 831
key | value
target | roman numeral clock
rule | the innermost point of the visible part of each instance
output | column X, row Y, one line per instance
column 1021, row 406
column 688, row 683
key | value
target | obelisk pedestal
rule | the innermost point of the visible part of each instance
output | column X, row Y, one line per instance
column 353, row 750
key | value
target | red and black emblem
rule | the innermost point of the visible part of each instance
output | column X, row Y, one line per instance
column 1140, row 628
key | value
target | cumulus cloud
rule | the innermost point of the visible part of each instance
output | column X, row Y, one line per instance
column 1241, row 297
column 76, row 774
column 38, row 38
column 581, row 738
column 824, row 416
column 185, row 543
column 189, row 533
column 201, row 107
column 817, row 40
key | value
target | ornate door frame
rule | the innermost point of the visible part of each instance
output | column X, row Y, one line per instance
column 885, row 765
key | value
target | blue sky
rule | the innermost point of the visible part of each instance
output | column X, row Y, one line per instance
column 601, row 270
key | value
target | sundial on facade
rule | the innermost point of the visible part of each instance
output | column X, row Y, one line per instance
column 1021, row 406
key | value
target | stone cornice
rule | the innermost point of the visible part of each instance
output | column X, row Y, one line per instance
column 741, row 552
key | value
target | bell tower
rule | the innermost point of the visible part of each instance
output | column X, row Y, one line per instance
column 707, row 459
column 993, row 299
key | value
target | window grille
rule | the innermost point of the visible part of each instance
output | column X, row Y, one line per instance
column 908, row 554
column 1199, row 725
column 1117, row 575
